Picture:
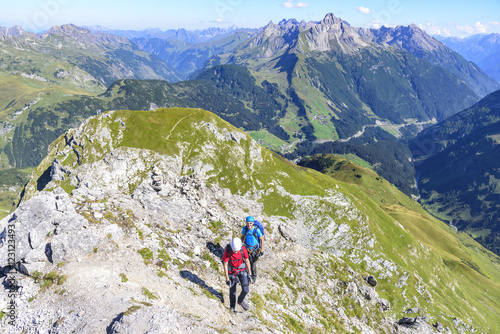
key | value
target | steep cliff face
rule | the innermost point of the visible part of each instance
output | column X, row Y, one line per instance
column 417, row 42
column 121, row 229
column 335, row 34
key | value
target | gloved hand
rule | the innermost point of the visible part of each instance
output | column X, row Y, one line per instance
column 261, row 254
column 228, row 283
column 250, row 278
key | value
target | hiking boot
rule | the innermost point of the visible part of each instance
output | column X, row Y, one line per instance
column 232, row 311
column 244, row 305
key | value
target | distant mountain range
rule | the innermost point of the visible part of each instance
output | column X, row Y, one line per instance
column 186, row 57
column 387, row 74
column 180, row 35
column 186, row 51
column 482, row 49
column 299, row 87
column 343, row 85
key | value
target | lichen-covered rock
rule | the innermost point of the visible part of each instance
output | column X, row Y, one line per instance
column 368, row 292
column 288, row 232
column 384, row 304
column 46, row 227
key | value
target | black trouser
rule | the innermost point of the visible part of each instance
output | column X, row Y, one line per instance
column 242, row 278
column 254, row 256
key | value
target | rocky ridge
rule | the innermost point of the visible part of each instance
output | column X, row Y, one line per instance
column 333, row 34
column 70, row 32
column 114, row 236
column 174, row 35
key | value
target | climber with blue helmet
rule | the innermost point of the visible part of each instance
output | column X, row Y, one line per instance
column 252, row 236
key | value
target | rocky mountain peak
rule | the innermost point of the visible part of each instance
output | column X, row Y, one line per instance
column 416, row 41
column 72, row 33
column 274, row 38
column 285, row 22
column 16, row 35
column 493, row 38
column 328, row 34
column 16, row 31
column 68, row 29
column 214, row 32
column 333, row 33
column 270, row 27
column 331, row 19
column 294, row 24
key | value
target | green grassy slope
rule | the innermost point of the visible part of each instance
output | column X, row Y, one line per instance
column 27, row 76
column 11, row 183
column 31, row 80
column 421, row 263
column 457, row 267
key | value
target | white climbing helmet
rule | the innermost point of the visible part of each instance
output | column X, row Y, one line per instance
column 236, row 244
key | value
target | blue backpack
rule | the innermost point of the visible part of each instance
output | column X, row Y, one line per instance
column 261, row 228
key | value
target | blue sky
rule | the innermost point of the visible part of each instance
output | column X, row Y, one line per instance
column 455, row 18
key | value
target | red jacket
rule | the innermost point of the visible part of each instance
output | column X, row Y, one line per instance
column 236, row 260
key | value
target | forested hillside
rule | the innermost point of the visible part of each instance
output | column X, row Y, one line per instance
column 458, row 163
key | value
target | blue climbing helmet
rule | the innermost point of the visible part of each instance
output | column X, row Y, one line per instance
column 250, row 219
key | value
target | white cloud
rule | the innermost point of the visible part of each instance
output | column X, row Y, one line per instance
column 481, row 28
column 364, row 10
column 466, row 29
column 218, row 20
column 375, row 24
column 289, row 4
column 432, row 29
column 446, row 32
column 477, row 28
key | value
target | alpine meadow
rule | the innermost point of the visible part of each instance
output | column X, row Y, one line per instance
column 293, row 177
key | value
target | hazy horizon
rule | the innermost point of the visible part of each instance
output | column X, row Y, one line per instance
column 458, row 18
